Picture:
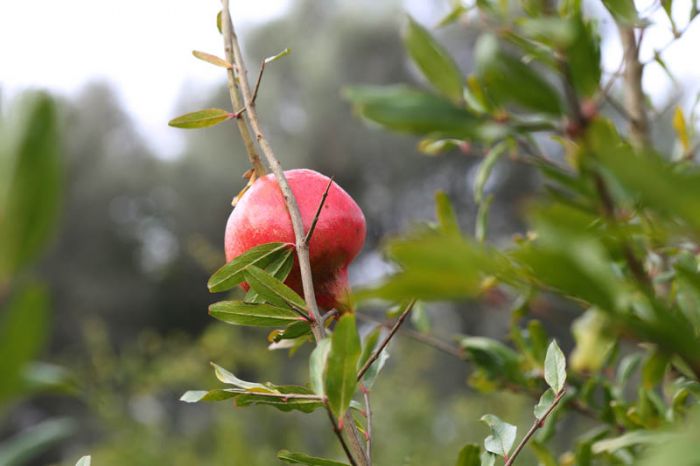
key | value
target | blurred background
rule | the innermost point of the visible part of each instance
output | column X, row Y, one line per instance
column 104, row 312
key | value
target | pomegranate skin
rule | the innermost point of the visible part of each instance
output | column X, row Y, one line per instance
column 261, row 217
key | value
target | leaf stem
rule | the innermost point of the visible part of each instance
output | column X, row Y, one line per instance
column 385, row 342
column 339, row 434
column 535, row 426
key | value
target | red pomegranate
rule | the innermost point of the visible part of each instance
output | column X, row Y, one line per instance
column 261, row 217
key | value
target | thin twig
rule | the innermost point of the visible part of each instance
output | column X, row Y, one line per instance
column 252, row 152
column 257, row 81
column 535, row 426
column 635, row 100
column 307, row 239
column 292, row 206
column 385, row 342
column 339, row 434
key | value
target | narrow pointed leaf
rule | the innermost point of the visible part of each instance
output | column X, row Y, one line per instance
column 278, row 268
column 256, row 315
column 232, row 273
column 228, row 378
column 301, row 458
column 371, row 375
column 445, row 214
column 341, row 372
column 212, row 59
column 555, row 367
column 84, row 461
column 317, row 365
column 486, row 168
column 502, row 435
column 283, row 53
column 433, row 60
column 201, row 118
column 271, row 289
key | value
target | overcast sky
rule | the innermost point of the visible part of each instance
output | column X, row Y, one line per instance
column 142, row 47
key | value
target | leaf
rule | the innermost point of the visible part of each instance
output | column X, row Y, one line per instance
column 502, row 435
column 654, row 369
column 23, row 330
column 681, row 128
column 212, row 59
column 545, row 402
column 256, row 315
column 295, row 330
column 638, row 437
column 283, row 53
column 507, row 79
column 594, row 340
column 496, row 359
column 317, row 365
column 433, row 60
column 228, row 378
column 544, row 456
column 279, row 268
column 271, row 289
column 482, row 219
column 301, row 458
column 84, row 461
column 583, row 57
column 469, row 455
column 219, row 21
column 555, row 367
column 623, row 11
column 420, row 318
column 30, row 181
column 408, row 110
column 251, row 397
column 341, row 373
column 31, row 443
column 486, row 167
column 445, row 214
column 201, row 119
column 233, row 272
column 488, row 459
column 370, row 343
column 371, row 375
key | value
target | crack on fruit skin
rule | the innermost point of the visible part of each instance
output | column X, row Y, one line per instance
column 261, row 217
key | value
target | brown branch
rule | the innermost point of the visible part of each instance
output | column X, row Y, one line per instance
column 292, row 206
column 307, row 239
column 634, row 94
column 535, row 426
column 250, row 148
column 385, row 342
column 341, row 439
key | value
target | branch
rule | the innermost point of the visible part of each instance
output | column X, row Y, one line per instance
column 634, row 94
column 341, row 439
column 292, row 206
column 535, row 426
column 238, row 106
column 307, row 239
column 385, row 342
column 368, row 414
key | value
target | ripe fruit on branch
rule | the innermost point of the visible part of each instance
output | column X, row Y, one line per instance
column 261, row 216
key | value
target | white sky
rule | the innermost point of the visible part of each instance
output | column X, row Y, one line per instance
column 143, row 47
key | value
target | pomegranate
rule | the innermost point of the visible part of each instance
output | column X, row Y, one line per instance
column 261, row 217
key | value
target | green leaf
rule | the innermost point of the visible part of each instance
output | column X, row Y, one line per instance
column 420, row 318
column 583, row 57
column 228, row 378
column 486, row 167
column 30, row 181
column 545, row 402
column 654, row 369
column 256, row 315
column 278, row 268
column 445, row 214
column 295, row 330
column 638, row 437
column 681, row 128
column 219, row 21
column 301, row 458
column 341, row 373
column 482, row 218
column 283, row 53
column 408, row 110
column 84, row 461
column 31, row 443
column 212, row 59
column 371, row 375
column 594, row 341
column 507, row 79
column 23, row 329
column 469, row 455
column 502, row 435
column 544, row 456
column 370, row 343
column 317, row 366
column 555, row 367
column 233, row 272
column 271, row 289
column 433, row 60
column 201, row 118
column 307, row 402
column 496, row 359
column 623, row 11
column 488, row 459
